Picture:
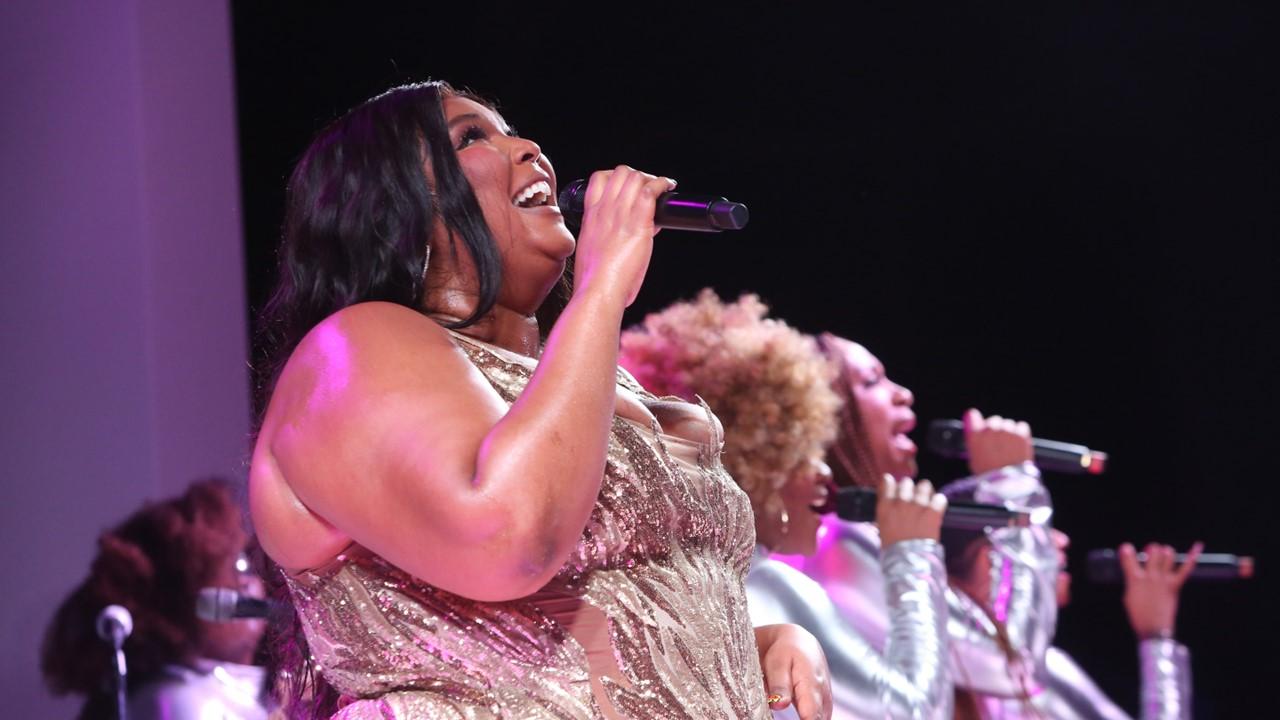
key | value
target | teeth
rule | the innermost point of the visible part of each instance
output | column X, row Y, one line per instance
column 542, row 187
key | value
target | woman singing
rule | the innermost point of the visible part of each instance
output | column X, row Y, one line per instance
column 772, row 388
column 1152, row 586
column 998, row 653
column 478, row 516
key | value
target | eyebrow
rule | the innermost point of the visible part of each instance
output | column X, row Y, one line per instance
column 465, row 117
column 477, row 117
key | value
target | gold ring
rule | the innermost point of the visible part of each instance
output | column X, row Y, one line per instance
column 773, row 698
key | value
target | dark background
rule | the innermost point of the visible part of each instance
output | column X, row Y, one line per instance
column 1062, row 216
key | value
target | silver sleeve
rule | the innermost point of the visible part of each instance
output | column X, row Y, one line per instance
column 1024, row 569
column 915, row 681
column 1165, row 667
column 910, row 679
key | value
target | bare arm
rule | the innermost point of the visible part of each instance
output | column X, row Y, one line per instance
column 381, row 431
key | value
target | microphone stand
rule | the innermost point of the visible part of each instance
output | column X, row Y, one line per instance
column 114, row 624
column 118, row 683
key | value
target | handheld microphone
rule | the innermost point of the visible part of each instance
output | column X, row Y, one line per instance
column 1104, row 566
column 858, row 504
column 218, row 604
column 675, row 211
column 946, row 438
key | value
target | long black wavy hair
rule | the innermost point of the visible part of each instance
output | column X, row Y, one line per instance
column 358, row 218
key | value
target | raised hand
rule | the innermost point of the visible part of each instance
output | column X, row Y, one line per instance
column 995, row 442
column 908, row 510
column 616, row 239
column 1151, row 588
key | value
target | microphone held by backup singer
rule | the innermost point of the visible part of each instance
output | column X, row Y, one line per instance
column 858, row 504
column 946, row 438
column 219, row 604
column 674, row 211
column 1104, row 566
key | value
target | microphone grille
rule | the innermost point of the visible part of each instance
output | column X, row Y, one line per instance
column 572, row 200
column 216, row 604
column 113, row 616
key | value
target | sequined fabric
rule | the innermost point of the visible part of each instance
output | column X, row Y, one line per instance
column 659, row 570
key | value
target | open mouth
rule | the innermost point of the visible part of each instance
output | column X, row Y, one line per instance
column 536, row 195
column 825, row 502
column 900, row 435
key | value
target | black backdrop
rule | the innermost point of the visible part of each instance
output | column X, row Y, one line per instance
column 1062, row 216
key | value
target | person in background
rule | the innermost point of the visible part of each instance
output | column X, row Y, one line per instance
column 998, row 653
column 154, row 564
column 1152, row 586
column 772, row 389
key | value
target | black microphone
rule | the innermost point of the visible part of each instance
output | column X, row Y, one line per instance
column 218, row 604
column 1104, row 566
column 676, row 211
column 946, row 438
column 858, row 504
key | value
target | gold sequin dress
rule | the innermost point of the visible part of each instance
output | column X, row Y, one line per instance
column 647, row 619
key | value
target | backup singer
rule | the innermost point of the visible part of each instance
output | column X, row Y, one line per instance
column 1000, row 660
column 475, row 520
column 153, row 564
column 772, row 388
column 1151, row 603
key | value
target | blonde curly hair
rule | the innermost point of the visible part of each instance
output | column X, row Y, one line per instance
column 768, row 383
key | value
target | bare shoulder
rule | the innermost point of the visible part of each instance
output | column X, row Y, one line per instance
column 359, row 349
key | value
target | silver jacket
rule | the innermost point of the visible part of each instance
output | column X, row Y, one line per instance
column 909, row 679
column 1024, row 566
column 1070, row 694
column 204, row 690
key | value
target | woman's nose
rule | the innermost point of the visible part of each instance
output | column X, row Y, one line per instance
column 905, row 396
column 822, row 472
column 524, row 150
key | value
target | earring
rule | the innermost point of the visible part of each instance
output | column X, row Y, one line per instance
column 426, row 259
column 773, row 505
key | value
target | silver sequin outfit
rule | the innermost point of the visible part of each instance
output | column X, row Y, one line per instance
column 1070, row 694
column 848, row 567
column 909, row 678
column 1022, row 568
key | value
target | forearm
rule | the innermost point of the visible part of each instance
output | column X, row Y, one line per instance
column 1024, row 569
column 908, row 680
column 1165, row 668
column 915, row 681
column 550, row 447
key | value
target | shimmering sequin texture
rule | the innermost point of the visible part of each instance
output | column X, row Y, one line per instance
column 662, row 560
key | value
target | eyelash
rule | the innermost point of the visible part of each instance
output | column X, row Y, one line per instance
column 470, row 135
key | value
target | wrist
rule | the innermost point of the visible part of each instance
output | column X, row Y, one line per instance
column 602, row 291
column 1155, row 634
column 600, row 296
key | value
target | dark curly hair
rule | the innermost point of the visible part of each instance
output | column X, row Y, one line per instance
column 153, row 564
